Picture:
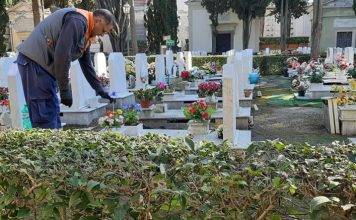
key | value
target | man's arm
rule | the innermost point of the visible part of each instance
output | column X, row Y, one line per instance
column 73, row 31
column 89, row 72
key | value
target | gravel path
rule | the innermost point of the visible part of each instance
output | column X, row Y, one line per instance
column 293, row 124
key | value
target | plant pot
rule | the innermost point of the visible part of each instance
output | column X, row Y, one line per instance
column 301, row 93
column 198, row 128
column 353, row 84
column 136, row 130
column 145, row 103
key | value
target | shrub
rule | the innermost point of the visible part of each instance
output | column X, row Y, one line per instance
column 290, row 40
column 90, row 175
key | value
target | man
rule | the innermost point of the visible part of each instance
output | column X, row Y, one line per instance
column 45, row 56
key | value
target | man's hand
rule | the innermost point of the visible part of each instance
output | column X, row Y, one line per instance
column 66, row 98
column 105, row 95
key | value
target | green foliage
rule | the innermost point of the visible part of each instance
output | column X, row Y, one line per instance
column 290, row 40
column 90, row 175
column 145, row 94
column 316, row 77
column 131, row 117
column 4, row 19
column 161, row 19
column 247, row 11
column 352, row 73
column 297, row 8
column 214, row 8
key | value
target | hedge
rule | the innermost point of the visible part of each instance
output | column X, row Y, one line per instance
column 290, row 40
column 88, row 175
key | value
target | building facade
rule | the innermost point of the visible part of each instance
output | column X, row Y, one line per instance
column 229, row 34
column 300, row 27
column 339, row 25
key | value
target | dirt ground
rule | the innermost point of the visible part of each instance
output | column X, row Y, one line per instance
column 290, row 123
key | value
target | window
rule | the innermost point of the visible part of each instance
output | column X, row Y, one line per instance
column 344, row 39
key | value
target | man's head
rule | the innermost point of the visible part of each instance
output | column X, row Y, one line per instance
column 104, row 22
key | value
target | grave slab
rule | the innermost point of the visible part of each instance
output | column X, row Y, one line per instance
column 82, row 116
column 174, row 119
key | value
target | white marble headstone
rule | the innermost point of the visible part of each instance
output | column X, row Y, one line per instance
column 169, row 63
column 77, row 79
column 160, row 69
column 188, row 60
column 229, row 106
column 117, row 73
column 100, row 64
column 180, row 61
column 267, row 51
column 141, row 68
column 5, row 64
column 16, row 96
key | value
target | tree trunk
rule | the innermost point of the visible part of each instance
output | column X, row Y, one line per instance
column 317, row 27
column 37, row 10
column 246, row 32
column 284, row 27
column 133, row 28
column 214, row 32
column 289, row 25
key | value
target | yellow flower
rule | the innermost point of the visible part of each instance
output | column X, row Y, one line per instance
column 119, row 112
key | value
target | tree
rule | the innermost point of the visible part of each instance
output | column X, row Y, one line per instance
column 37, row 10
column 4, row 19
column 214, row 8
column 155, row 24
column 161, row 19
column 133, row 28
column 317, row 27
column 117, row 38
column 284, row 11
column 296, row 9
column 247, row 11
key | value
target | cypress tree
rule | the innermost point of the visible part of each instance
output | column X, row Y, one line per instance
column 4, row 19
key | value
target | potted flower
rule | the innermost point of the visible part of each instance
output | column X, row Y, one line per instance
column 199, row 115
column 315, row 78
column 131, row 125
column 164, row 89
column 352, row 78
column 112, row 120
column 208, row 90
column 4, row 107
column 300, row 85
column 186, row 76
column 145, row 97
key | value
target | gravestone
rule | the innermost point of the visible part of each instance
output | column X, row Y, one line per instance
column 16, row 96
column 118, row 84
column 169, row 63
column 267, row 51
column 349, row 55
column 86, row 107
column 160, row 69
column 230, row 56
column 100, row 64
column 229, row 99
column 141, row 68
column 180, row 62
column 5, row 63
column 330, row 54
column 188, row 60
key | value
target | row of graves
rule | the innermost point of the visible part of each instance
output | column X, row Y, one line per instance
column 333, row 81
column 169, row 97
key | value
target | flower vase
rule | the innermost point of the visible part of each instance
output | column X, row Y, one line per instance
column 145, row 103
column 301, row 93
column 353, row 84
column 212, row 101
column 198, row 127
column 135, row 130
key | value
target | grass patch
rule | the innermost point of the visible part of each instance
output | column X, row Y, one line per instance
column 288, row 100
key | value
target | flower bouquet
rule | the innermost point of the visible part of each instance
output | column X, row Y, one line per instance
column 112, row 119
column 300, row 84
column 207, row 89
column 4, row 99
column 199, row 115
column 145, row 96
column 186, row 76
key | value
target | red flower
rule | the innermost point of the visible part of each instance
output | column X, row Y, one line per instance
column 192, row 110
column 185, row 74
column 5, row 102
column 202, row 104
column 205, row 116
